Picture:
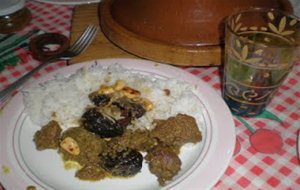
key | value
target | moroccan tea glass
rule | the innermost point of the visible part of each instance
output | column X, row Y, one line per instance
column 261, row 47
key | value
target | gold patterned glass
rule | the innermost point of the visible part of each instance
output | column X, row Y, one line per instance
column 261, row 47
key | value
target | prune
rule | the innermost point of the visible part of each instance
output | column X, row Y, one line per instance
column 99, row 99
column 130, row 108
column 125, row 163
column 124, row 121
column 104, row 126
column 137, row 110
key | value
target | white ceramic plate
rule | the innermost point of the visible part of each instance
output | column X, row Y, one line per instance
column 203, row 163
column 299, row 145
column 69, row 2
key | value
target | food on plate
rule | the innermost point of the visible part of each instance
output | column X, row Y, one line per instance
column 91, row 172
column 48, row 136
column 101, row 124
column 117, row 106
column 164, row 163
column 112, row 122
column 138, row 139
column 176, row 131
column 90, row 146
column 31, row 187
column 125, row 163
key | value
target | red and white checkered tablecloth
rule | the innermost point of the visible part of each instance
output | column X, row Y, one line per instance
column 46, row 17
column 248, row 168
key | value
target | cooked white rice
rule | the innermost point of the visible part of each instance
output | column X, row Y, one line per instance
column 67, row 97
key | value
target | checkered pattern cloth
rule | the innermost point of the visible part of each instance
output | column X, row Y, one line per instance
column 248, row 168
column 48, row 18
column 45, row 17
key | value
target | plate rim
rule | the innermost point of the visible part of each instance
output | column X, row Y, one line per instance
column 189, row 75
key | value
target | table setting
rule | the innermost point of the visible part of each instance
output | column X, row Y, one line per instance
column 237, row 81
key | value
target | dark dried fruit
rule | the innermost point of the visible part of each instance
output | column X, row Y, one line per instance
column 130, row 108
column 124, row 121
column 104, row 126
column 124, row 163
column 137, row 110
column 99, row 99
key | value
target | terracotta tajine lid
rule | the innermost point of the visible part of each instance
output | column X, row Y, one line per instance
column 183, row 22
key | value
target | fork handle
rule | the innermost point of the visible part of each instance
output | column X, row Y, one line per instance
column 6, row 93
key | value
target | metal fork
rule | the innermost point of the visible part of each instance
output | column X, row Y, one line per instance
column 77, row 48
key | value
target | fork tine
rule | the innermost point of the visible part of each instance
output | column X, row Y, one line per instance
column 82, row 37
column 83, row 40
column 88, row 40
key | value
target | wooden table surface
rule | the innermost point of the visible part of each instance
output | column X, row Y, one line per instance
column 101, row 47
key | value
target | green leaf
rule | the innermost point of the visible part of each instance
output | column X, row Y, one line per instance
column 1, row 67
column 269, row 115
column 12, row 61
